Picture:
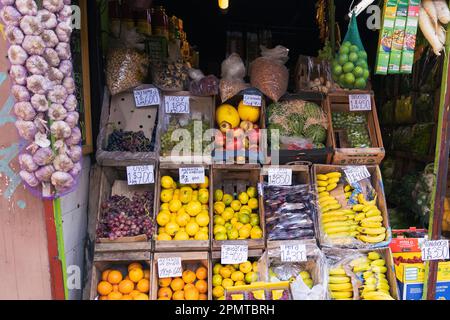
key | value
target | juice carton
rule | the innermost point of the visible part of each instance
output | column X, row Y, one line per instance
column 398, row 37
column 409, row 42
column 385, row 39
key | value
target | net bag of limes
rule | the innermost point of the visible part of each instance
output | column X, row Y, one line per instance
column 350, row 69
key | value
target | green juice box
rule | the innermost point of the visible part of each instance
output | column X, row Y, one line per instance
column 409, row 42
column 398, row 37
column 385, row 39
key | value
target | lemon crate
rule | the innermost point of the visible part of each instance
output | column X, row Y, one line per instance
column 172, row 170
column 189, row 261
column 117, row 261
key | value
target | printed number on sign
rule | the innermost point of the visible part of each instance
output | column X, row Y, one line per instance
column 140, row 175
column 177, row 104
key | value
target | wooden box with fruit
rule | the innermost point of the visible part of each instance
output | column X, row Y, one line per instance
column 240, row 139
column 182, row 211
column 124, row 213
column 124, row 277
column 193, row 282
column 356, row 135
column 351, row 215
column 237, row 214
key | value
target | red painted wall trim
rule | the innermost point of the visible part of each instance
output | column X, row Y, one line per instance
column 56, row 274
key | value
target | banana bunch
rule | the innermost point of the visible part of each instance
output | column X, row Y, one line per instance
column 370, row 220
column 339, row 284
column 328, row 182
column 348, row 189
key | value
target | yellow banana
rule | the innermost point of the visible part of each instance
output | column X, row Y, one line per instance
column 383, row 286
column 340, row 235
column 372, row 231
column 331, row 207
column 344, row 298
column 358, row 261
column 380, row 276
column 328, row 202
column 373, row 219
column 336, row 224
column 333, row 174
column 331, row 187
column 348, row 194
column 372, row 202
column 322, row 183
column 326, row 198
column 377, row 295
column 340, row 294
column 372, row 239
column 333, row 180
column 324, row 194
column 321, row 177
column 334, row 218
column 371, row 224
column 321, row 189
column 358, row 207
column 348, row 211
column 373, row 255
column 347, row 188
column 382, row 280
column 369, row 287
column 360, row 216
column 350, row 216
column 367, row 274
column 378, row 262
column 367, row 208
column 361, row 267
column 340, row 286
column 378, row 269
column 373, row 213
column 337, row 271
column 338, row 279
column 339, row 229
column 371, row 281
column 361, row 199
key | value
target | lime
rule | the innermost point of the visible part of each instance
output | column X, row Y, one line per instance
column 362, row 55
column 354, row 48
column 348, row 67
column 342, row 79
column 337, row 70
column 362, row 63
column 346, row 43
column 342, row 59
column 353, row 57
column 344, row 50
column 360, row 83
column 366, row 74
column 349, row 79
column 358, row 72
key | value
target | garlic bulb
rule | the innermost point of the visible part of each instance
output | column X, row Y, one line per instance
column 33, row 45
column 72, row 118
column 75, row 137
column 17, row 55
column 26, row 129
column 37, row 84
column 51, row 56
column 62, row 180
column 31, row 25
column 63, row 163
column 27, row 163
column 39, row 102
column 65, row 13
column 37, row 65
column 26, row 7
column 20, row 93
column 53, row 5
column 63, row 50
column 19, row 74
column 7, row 2
column 71, row 103
column 29, row 178
column 24, row 111
column 10, row 16
column 63, row 31
column 75, row 153
column 41, row 124
column 50, row 39
column 66, row 67
column 47, row 18
column 44, row 174
column 57, row 112
column 75, row 170
column 69, row 84
column 42, row 140
column 54, row 76
column 60, row 130
column 14, row 35
column 43, row 156
column 58, row 94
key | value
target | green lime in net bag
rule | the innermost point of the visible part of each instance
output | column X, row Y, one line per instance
column 350, row 69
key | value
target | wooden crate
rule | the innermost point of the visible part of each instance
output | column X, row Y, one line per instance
column 234, row 179
column 114, row 181
column 377, row 183
column 301, row 174
column 201, row 108
column 187, row 259
column 118, row 261
column 181, row 245
column 339, row 102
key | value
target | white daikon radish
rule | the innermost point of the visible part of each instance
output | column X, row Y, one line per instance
column 442, row 10
column 441, row 33
column 429, row 32
column 430, row 8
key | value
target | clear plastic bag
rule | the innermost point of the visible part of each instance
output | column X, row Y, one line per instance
column 313, row 74
column 172, row 76
column 202, row 85
column 233, row 73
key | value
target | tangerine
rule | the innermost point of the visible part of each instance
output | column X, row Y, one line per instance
column 163, row 298
column 115, row 288
column 105, row 274
column 143, row 285
column 164, row 282
column 202, row 296
column 178, row 295
column 201, row 273
column 136, row 275
column 126, row 286
column 147, row 274
column 134, row 293
column 177, row 284
column 134, row 265
column 104, row 288
column 165, row 293
column 188, row 276
column 114, row 296
column 191, row 294
column 114, row 277
column 126, row 297
column 141, row 296
column 202, row 286
column 103, row 298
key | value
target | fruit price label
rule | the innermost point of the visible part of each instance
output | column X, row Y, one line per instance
column 252, row 100
column 146, row 97
column 360, row 102
column 356, row 173
column 169, row 267
column 293, row 252
column 280, row 177
column 140, row 175
column 435, row 250
column 192, row 175
column 177, row 104
column 233, row 254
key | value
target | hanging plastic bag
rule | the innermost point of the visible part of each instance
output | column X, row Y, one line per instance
column 233, row 73
column 350, row 69
column 202, row 85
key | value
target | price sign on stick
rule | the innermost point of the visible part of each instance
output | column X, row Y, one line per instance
column 169, row 267
column 435, row 250
column 360, row 102
column 293, row 252
column 280, row 176
column 177, row 104
column 252, row 100
column 356, row 173
column 140, row 175
column 192, row 175
column 146, row 97
column 233, row 254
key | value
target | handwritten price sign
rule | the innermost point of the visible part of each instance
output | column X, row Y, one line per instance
column 233, row 254
column 192, row 175
column 356, row 173
column 293, row 252
column 169, row 267
column 435, row 250
column 280, row 177
column 140, row 175
column 252, row 100
column 147, row 97
column 360, row 102
column 177, row 104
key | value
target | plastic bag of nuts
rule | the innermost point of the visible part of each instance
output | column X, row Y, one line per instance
column 126, row 68
column 172, row 76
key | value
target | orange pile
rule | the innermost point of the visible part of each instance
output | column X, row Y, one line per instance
column 191, row 286
column 135, row 285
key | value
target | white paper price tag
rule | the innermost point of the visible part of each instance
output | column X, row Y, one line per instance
column 279, row 176
column 146, row 97
column 252, row 100
column 140, row 175
column 435, row 250
column 293, row 252
column 356, row 173
column 169, row 267
column 360, row 102
column 192, row 175
column 233, row 254
column 177, row 104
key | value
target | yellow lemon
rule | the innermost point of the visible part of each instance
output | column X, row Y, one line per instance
column 238, row 225
column 171, row 228
column 201, row 236
column 219, row 229
column 251, row 277
column 182, row 210
column 245, row 209
column 167, row 182
column 182, row 219
column 225, row 272
column 253, row 203
column 204, row 211
column 227, row 283
column 164, row 237
column 161, row 230
column 219, row 220
column 202, row 219
column 219, row 207
column 244, row 233
column 256, row 233
column 245, row 267
column 205, row 184
column 193, row 208
column 227, row 199
column 217, row 268
column 233, row 221
column 203, row 196
column 243, row 197
column 185, row 194
column 192, row 228
column 204, row 229
column 255, row 266
column 235, row 205
column 251, row 191
column 166, row 195
column 218, row 195
column 239, row 283
column 218, row 292
column 237, row 276
column 175, row 205
column 176, row 194
column 181, row 235
column 232, row 234
column 164, row 206
column 220, row 236
column 163, row 218
column 217, row 280
column 228, row 213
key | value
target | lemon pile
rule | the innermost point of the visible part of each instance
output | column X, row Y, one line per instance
column 184, row 211
column 232, row 275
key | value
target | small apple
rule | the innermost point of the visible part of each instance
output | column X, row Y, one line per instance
column 238, row 132
column 225, row 126
column 246, row 125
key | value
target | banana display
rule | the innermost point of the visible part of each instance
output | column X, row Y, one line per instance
column 339, row 284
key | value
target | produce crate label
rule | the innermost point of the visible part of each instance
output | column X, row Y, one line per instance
column 360, row 102
column 355, row 174
column 146, row 97
column 233, row 254
column 435, row 250
column 177, row 104
column 192, row 175
column 279, row 176
column 252, row 100
column 169, row 267
column 140, row 175
column 293, row 252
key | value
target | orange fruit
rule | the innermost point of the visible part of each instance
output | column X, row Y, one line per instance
column 136, row 274
column 104, row 288
column 134, row 265
column 177, row 284
column 201, row 273
column 164, row 282
column 165, row 293
column 114, row 296
column 147, row 274
column 188, row 286
column 202, row 296
column 163, row 298
column 105, row 274
column 126, row 297
column 134, row 293
column 188, row 276
column 114, row 277
column 191, row 294
column 126, row 286
column 141, row 296
column 143, row 285
column 178, row 295
column 115, row 288
column 202, row 286
column 103, row 298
